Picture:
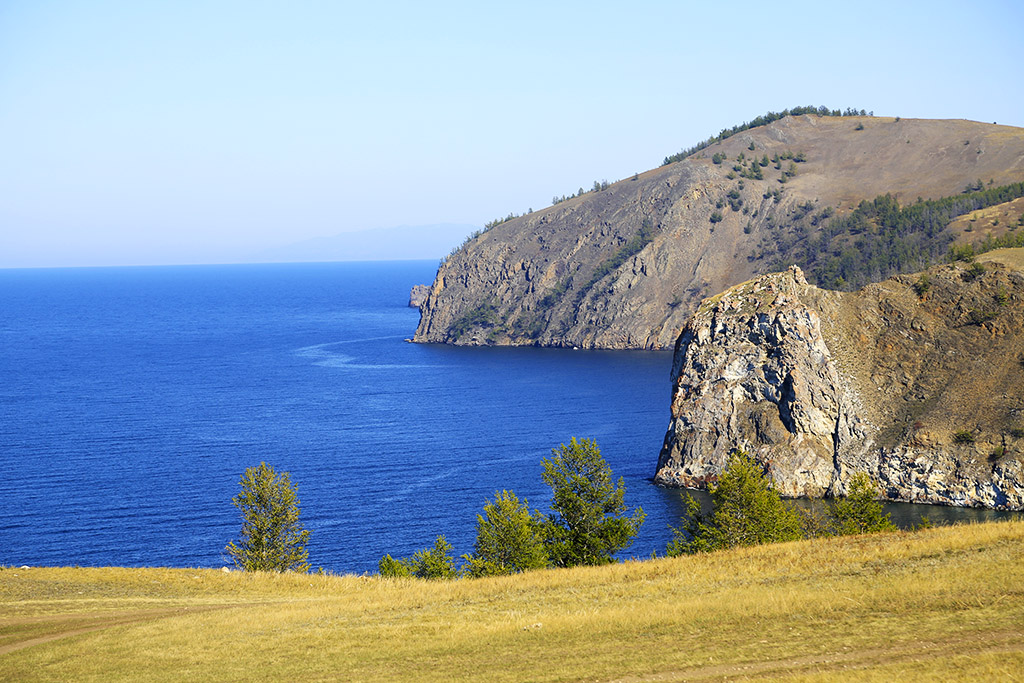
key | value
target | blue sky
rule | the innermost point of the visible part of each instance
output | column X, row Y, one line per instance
column 194, row 132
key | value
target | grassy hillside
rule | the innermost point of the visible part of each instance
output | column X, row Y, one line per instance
column 942, row 603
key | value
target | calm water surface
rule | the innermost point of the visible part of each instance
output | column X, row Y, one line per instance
column 133, row 398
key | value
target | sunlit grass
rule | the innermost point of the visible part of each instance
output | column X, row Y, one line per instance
column 875, row 606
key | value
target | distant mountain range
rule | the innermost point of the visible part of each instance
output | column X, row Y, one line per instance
column 405, row 242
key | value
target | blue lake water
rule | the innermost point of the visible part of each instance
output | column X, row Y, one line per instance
column 132, row 399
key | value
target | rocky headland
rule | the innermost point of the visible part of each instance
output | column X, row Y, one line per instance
column 625, row 264
column 417, row 295
column 917, row 380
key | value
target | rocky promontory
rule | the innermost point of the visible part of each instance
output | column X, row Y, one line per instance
column 625, row 265
column 917, row 380
column 417, row 295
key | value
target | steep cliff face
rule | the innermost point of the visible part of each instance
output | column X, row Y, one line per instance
column 625, row 267
column 417, row 295
column 917, row 380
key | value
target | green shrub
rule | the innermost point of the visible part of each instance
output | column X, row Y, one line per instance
column 923, row 284
column 859, row 512
column 429, row 563
column 389, row 567
column 963, row 436
column 979, row 317
column 555, row 295
column 485, row 315
column 974, row 272
column 716, row 217
column 509, row 538
column 636, row 244
column 745, row 511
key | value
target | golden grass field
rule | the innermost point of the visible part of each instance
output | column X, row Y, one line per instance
column 938, row 604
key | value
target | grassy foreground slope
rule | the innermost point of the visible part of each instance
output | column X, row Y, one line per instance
column 942, row 603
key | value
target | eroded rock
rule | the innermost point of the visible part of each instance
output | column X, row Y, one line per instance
column 819, row 385
column 418, row 295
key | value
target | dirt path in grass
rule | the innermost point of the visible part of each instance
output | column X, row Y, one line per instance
column 971, row 644
column 87, row 624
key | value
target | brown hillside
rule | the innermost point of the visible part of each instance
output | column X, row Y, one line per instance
column 552, row 277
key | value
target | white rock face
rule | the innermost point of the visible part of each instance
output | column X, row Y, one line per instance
column 753, row 370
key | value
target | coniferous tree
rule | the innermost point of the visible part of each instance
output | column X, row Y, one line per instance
column 746, row 511
column 859, row 512
column 272, row 539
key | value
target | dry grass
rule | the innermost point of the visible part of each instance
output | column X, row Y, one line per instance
column 1012, row 258
column 940, row 603
column 992, row 221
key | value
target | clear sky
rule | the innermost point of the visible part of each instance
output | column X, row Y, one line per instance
column 138, row 132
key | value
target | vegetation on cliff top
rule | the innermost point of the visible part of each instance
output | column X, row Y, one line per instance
column 762, row 120
column 880, row 238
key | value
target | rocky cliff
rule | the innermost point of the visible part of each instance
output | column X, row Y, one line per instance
column 626, row 266
column 917, row 380
column 417, row 295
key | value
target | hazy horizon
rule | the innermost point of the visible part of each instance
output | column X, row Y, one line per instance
column 196, row 133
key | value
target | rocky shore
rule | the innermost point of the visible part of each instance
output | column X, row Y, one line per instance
column 914, row 387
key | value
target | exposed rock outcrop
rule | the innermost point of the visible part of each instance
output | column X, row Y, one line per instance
column 418, row 295
column 920, row 386
column 626, row 266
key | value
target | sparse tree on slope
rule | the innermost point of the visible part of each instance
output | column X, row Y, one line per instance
column 272, row 539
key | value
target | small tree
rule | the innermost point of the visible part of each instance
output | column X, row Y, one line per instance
column 429, row 563
column 272, row 539
column 389, row 567
column 587, row 525
column 509, row 538
column 860, row 512
column 746, row 511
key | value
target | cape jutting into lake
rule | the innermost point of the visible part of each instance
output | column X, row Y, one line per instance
column 134, row 398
